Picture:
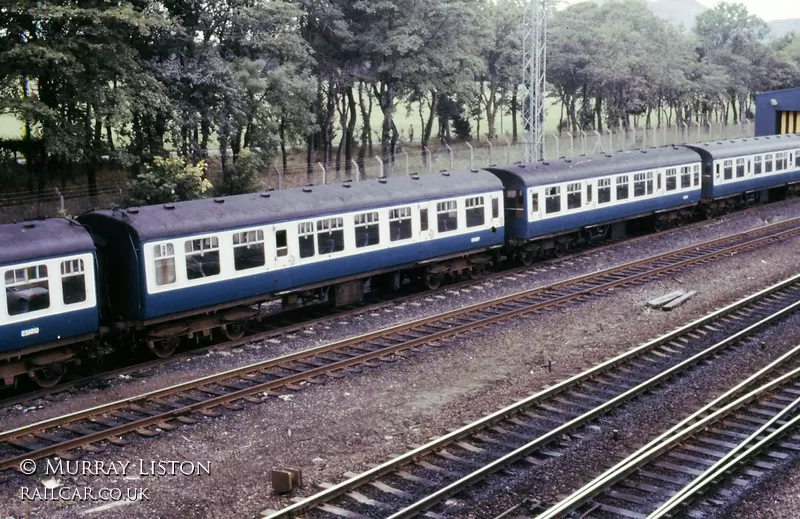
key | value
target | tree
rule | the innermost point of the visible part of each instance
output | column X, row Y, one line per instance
column 77, row 75
column 501, row 53
column 170, row 179
column 412, row 46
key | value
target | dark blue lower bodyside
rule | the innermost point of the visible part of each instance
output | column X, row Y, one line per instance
column 599, row 215
column 295, row 278
column 46, row 329
column 756, row 183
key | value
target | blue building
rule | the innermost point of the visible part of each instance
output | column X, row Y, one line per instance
column 778, row 112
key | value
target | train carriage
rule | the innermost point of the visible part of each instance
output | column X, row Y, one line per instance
column 736, row 170
column 177, row 263
column 551, row 204
column 50, row 305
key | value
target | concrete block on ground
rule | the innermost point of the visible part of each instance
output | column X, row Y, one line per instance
column 675, row 303
column 284, row 480
column 661, row 301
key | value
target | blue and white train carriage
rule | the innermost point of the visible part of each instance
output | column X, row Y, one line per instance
column 188, row 267
column 737, row 170
column 550, row 205
column 50, row 304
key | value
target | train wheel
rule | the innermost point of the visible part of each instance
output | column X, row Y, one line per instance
column 234, row 330
column 433, row 281
column 658, row 225
column 165, row 348
column 526, row 257
column 47, row 376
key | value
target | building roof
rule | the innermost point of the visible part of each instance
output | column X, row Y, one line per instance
column 740, row 147
column 773, row 93
column 592, row 166
column 42, row 239
column 198, row 216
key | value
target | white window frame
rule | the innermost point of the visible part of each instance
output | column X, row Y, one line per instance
column 55, row 292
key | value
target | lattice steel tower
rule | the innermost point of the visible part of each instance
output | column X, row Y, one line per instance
column 534, row 65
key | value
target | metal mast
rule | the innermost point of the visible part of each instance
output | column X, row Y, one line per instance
column 534, row 65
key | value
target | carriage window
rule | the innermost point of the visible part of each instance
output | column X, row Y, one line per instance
column 739, row 168
column 672, row 179
column 574, row 196
column 202, row 257
column 330, row 235
column 588, row 193
column 727, row 169
column 305, row 239
column 73, row 281
column 495, row 207
column 476, row 214
column 164, row 255
column 757, row 165
column 367, row 229
column 686, row 177
column 640, row 184
column 423, row 219
column 797, row 158
column 281, row 244
column 534, row 202
column 622, row 187
column 767, row 163
column 400, row 223
column 780, row 161
column 446, row 216
column 27, row 290
column 696, row 174
column 248, row 250
column 552, row 199
column 603, row 190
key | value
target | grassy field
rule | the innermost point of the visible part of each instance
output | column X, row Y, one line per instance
column 10, row 127
column 404, row 119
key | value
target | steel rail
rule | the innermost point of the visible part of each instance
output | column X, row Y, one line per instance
column 276, row 332
column 436, row 445
column 737, row 455
column 216, row 399
column 455, row 487
column 659, row 444
column 4, row 436
column 337, row 313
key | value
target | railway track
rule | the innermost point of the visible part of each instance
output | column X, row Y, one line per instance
column 285, row 323
column 531, row 430
column 163, row 410
column 691, row 469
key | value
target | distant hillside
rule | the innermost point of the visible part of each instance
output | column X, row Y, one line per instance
column 782, row 27
column 679, row 12
column 684, row 12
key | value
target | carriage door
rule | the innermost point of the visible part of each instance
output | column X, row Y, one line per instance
column 534, row 205
column 425, row 232
column 589, row 194
column 282, row 253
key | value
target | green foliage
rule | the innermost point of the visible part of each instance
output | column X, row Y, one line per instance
column 462, row 128
column 244, row 175
column 168, row 179
column 95, row 82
